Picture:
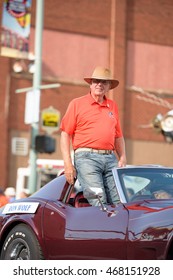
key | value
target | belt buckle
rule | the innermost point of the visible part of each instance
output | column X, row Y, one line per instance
column 104, row 152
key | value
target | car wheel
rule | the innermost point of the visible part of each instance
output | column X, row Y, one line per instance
column 21, row 244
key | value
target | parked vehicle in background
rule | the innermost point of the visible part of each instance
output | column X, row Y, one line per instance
column 47, row 170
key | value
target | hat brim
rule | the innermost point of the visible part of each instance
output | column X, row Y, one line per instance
column 114, row 83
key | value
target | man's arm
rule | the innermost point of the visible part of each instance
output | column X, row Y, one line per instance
column 69, row 169
column 121, row 151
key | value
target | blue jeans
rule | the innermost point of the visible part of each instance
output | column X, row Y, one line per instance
column 94, row 172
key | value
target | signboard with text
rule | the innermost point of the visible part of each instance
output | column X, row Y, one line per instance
column 50, row 120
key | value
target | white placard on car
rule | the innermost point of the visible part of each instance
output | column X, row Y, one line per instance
column 20, row 207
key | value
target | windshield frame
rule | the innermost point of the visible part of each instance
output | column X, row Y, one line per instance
column 155, row 175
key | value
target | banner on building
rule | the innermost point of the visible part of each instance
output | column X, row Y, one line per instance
column 15, row 28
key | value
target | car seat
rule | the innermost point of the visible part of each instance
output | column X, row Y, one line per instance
column 80, row 201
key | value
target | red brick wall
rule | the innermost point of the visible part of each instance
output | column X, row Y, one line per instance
column 148, row 22
column 137, row 20
column 4, row 121
column 81, row 16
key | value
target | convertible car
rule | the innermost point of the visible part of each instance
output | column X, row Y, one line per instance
column 57, row 222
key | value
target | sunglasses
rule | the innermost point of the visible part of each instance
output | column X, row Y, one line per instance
column 97, row 81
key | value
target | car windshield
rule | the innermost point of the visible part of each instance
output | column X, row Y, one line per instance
column 146, row 183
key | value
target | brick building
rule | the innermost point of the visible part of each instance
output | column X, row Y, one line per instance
column 132, row 37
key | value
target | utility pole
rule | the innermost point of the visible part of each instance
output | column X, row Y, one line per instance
column 32, row 106
column 112, row 42
column 37, row 77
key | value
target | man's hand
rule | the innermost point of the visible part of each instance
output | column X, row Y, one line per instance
column 120, row 151
column 70, row 174
column 122, row 162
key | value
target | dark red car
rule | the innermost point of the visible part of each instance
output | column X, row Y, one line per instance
column 57, row 222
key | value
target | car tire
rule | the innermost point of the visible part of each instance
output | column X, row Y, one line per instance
column 21, row 244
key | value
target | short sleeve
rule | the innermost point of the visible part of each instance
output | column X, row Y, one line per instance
column 68, row 122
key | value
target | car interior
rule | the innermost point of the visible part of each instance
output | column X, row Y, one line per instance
column 75, row 196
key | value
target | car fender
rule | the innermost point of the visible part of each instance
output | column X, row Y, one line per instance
column 32, row 220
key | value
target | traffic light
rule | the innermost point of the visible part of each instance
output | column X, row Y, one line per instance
column 45, row 144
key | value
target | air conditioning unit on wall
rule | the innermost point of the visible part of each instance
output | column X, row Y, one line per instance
column 19, row 146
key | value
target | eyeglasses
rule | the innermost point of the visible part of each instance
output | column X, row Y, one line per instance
column 97, row 81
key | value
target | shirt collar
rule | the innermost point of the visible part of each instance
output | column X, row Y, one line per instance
column 92, row 101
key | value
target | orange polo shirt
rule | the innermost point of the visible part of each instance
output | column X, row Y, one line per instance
column 92, row 124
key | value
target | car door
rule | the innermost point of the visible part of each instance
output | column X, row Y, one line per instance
column 86, row 233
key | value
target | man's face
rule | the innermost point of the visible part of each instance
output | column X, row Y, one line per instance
column 99, row 87
column 162, row 195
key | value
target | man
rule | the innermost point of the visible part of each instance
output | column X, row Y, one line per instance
column 92, row 125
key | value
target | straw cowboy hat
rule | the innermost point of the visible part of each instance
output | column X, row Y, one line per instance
column 102, row 73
